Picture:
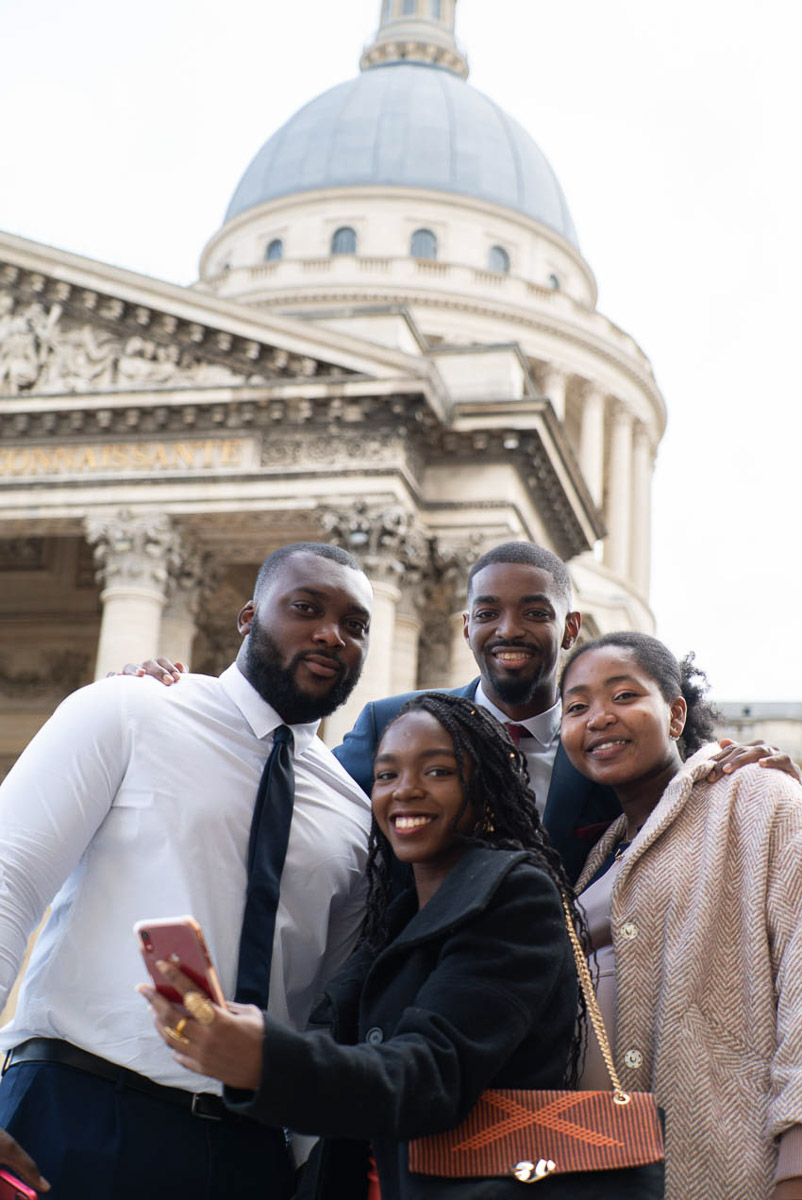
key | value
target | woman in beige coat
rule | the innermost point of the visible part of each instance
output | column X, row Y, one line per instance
column 694, row 902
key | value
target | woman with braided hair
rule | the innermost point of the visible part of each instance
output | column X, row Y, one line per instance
column 465, row 981
column 694, row 903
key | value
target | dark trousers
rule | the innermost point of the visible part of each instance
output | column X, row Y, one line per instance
column 96, row 1140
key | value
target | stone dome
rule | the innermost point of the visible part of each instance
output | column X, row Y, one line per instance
column 407, row 125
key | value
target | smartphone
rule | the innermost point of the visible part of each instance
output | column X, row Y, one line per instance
column 12, row 1188
column 178, row 940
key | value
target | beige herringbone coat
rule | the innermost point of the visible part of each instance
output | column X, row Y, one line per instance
column 707, row 930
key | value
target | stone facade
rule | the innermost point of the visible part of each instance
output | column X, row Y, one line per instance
column 156, row 442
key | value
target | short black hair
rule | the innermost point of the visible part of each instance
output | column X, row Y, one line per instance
column 532, row 555
column 674, row 678
column 273, row 563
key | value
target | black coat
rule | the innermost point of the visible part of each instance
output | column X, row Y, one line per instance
column 475, row 990
column 577, row 811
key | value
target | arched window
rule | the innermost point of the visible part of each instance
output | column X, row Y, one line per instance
column 498, row 260
column 275, row 250
column 388, row 9
column 554, row 282
column 409, row 8
column 437, row 9
column 423, row 244
column 344, row 241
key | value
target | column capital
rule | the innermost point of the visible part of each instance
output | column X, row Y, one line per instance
column 132, row 551
column 385, row 538
column 442, row 599
column 622, row 414
column 589, row 389
column 192, row 573
column 643, row 439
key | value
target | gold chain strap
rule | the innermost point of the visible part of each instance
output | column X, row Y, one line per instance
column 592, row 1005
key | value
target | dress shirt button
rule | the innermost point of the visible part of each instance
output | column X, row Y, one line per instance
column 633, row 1059
column 374, row 1036
column 629, row 931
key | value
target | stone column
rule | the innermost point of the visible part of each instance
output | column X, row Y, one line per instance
column 404, row 674
column 191, row 575
column 591, row 441
column 462, row 666
column 447, row 661
column 132, row 555
column 392, row 552
column 554, row 381
column 619, row 493
column 641, row 541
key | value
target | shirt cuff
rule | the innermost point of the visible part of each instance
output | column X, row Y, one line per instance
column 789, row 1160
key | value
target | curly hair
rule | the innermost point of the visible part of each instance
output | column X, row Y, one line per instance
column 495, row 782
column 673, row 679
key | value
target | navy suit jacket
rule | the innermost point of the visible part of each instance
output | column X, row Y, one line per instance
column 577, row 810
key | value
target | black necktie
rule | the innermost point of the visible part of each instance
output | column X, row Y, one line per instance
column 267, row 849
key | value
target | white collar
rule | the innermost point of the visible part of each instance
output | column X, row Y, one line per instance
column 260, row 715
column 544, row 727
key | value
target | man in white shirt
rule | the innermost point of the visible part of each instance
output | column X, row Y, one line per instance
column 135, row 802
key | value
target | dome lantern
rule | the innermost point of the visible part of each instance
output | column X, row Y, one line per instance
column 416, row 31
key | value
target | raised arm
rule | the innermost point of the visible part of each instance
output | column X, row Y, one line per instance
column 498, row 978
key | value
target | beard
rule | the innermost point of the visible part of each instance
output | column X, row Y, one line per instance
column 276, row 683
column 515, row 691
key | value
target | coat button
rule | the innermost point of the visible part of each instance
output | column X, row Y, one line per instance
column 633, row 1059
column 629, row 931
column 374, row 1036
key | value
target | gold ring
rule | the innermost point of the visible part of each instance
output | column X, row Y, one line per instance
column 199, row 1007
column 178, row 1032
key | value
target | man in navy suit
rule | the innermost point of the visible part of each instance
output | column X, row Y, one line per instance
column 519, row 618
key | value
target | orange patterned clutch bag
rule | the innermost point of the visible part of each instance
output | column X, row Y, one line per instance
column 512, row 1132
column 530, row 1135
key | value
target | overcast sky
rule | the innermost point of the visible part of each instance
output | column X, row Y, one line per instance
column 674, row 130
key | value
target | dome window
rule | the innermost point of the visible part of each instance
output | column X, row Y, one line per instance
column 423, row 244
column 275, row 250
column 409, row 8
column 344, row 241
column 554, row 282
column 498, row 260
column 437, row 9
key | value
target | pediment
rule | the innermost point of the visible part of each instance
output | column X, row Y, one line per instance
column 72, row 326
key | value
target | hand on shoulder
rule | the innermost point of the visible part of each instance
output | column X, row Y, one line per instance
column 163, row 669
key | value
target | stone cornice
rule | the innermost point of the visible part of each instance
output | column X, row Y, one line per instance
column 41, row 272
column 545, row 465
column 36, row 419
column 568, row 331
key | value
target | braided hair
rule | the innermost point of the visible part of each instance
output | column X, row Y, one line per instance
column 495, row 782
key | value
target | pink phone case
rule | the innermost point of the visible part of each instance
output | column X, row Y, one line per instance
column 178, row 940
column 12, row 1188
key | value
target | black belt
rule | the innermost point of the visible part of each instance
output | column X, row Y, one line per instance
column 53, row 1050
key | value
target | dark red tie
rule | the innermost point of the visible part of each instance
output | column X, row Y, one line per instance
column 517, row 732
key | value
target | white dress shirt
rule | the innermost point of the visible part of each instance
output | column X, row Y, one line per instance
column 539, row 748
column 134, row 801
